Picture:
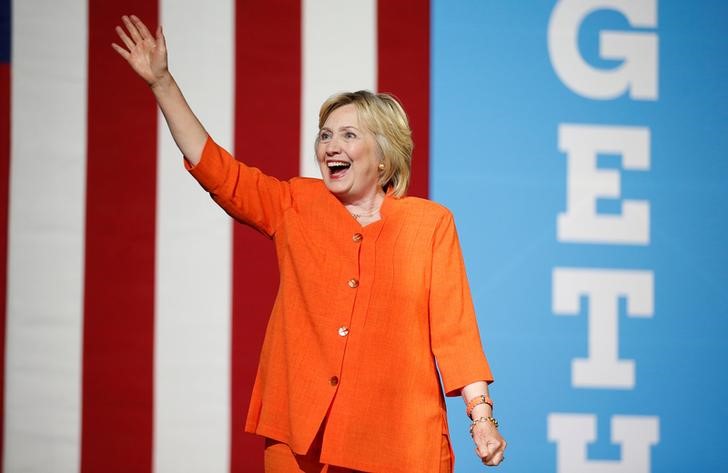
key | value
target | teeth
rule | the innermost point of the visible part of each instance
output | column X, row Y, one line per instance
column 337, row 164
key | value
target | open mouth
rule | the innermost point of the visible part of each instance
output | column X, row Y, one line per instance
column 337, row 168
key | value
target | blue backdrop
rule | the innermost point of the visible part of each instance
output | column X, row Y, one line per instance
column 498, row 103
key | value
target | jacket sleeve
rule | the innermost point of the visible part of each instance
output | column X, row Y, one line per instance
column 453, row 327
column 244, row 192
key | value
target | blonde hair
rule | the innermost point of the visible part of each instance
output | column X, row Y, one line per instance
column 385, row 118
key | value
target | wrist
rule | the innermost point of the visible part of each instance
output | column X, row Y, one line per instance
column 479, row 402
column 163, row 83
column 481, row 410
column 484, row 421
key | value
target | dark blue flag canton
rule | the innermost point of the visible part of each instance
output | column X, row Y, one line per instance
column 5, row 31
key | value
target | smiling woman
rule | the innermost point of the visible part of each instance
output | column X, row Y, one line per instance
column 383, row 117
column 373, row 297
column 364, row 149
column 347, row 154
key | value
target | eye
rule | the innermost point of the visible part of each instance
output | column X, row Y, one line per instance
column 324, row 135
column 349, row 135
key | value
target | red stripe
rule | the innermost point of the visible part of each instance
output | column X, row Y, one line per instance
column 4, row 202
column 267, row 109
column 119, row 274
column 404, row 55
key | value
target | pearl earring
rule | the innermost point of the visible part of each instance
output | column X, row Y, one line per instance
column 381, row 166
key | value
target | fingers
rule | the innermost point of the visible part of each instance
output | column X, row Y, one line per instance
column 127, row 41
column 160, row 36
column 133, row 31
column 494, row 458
column 141, row 27
column 123, row 52
column 138, row 34
column 490, row 447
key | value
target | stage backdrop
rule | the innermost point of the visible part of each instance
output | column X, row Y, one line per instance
column 581, row 145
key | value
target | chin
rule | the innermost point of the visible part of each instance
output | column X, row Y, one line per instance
column 340, row 189
column 336, row 188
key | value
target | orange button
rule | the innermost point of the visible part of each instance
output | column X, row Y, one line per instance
column 343, row 331
column 353, row 283
column 357, row 237
column 334, row 380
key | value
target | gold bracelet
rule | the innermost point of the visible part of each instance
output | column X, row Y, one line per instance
column 492, row 420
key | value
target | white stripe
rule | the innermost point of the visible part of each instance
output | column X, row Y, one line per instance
column 194, row 237
column 339, row 53
column 46, row 236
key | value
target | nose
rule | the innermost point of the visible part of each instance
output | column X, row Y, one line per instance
column 332, row 147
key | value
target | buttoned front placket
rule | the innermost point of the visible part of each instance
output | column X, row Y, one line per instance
column 359, row 244
column 366, row 239
column 352, row 245
column 351, row 332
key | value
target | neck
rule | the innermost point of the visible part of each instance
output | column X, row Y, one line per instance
column 365, row 206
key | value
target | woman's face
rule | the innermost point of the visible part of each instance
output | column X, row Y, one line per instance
column 348, row 156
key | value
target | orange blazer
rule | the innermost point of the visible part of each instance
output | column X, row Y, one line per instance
column 362, row 316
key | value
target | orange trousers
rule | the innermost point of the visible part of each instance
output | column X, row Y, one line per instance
column 279, row 458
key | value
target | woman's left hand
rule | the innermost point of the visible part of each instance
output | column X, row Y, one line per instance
column 489, row 445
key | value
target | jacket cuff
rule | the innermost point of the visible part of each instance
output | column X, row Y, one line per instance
column 210, row 170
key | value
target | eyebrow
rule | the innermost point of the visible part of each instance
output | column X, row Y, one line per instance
column 341, row 128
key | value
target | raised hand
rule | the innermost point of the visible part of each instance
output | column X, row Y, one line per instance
column 146, row 54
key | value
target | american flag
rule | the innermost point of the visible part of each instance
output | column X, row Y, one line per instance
column 133, row 308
